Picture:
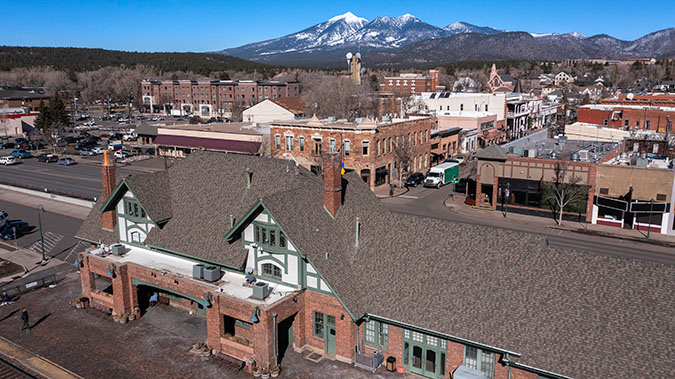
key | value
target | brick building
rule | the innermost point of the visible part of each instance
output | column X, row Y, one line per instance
column 211, row 98
column 410, row 84
column 367, row 147
column 28, row 98
column 650, row 99
column 340, row 275
column 638, row 117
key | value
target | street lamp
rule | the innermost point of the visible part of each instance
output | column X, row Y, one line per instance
column 41, row 210
column 285, row 155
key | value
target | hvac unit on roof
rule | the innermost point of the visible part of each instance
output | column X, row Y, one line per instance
column 261, row 290
column 583, row 155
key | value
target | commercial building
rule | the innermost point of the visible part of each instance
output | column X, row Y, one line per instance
column 211, row 98
column 280, row 109
column 16, row 122
column 28, row 98
column 482, row 122
column 634, row 117
column 437, row 102
column 376, row 150
column 410, row 84
column 242, row 138
column 339, row 275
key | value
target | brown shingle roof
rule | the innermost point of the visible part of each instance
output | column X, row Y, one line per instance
column 292, row 104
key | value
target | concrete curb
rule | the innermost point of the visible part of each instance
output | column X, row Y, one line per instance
column 617, row 236
column 34, row 362
column 51, row 196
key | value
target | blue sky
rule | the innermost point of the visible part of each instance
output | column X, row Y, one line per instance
column 210, row 25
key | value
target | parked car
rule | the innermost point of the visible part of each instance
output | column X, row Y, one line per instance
column 85, row 144
column 47, row 158
column 20, row 153
column 97, row 150
column 14, row 229
column 122, row 154
column 87, row 153
column 8, row 160
column 67, row 161
column 414, row 179
column 8, row 145
column 4, row 218
column 150, row 151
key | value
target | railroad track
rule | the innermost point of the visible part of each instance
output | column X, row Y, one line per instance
column 10, row 371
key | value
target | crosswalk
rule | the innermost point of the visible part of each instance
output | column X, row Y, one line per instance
column 51, row 239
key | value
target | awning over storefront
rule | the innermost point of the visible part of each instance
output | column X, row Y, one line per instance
column 246, row 147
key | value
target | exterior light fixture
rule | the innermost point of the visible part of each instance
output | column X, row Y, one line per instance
column 255, row 315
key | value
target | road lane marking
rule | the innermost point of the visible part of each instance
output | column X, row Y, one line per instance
column 409, row 196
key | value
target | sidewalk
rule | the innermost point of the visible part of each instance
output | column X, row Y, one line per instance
column 29, row 260
column 35, row 362
column 457, row 205
column 54, row 206
column 383, row 191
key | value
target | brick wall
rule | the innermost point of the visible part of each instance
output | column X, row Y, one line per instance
column 656, row 117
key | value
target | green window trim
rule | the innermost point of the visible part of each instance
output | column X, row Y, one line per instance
column 376, row 334
column 479, row 359
column 271, row 270
column 318, row 326
column 270, row 236
column 134, row 211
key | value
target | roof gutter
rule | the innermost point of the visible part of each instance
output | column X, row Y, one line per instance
column 505, row 361
column 441, row 335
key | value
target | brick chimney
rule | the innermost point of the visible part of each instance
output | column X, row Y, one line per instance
column 332, row 182
column 108, row 180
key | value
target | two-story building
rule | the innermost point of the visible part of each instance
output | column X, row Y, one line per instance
column 376, row 150
column 275, row 257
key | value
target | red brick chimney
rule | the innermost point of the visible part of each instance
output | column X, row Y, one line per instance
column 109, row 182
column 332, row 182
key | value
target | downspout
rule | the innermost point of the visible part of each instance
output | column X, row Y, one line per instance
column 274, row 337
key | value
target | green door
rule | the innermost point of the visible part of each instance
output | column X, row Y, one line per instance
column 424, row 361
column 331, row 335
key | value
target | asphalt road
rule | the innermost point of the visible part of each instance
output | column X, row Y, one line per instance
column 81, row 180
column 429, row 202
column 58, row 230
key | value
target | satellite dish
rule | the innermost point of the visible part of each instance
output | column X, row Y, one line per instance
column 349, row 55
column 630, row 96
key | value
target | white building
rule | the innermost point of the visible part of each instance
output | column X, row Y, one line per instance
column 282, row 109
column 436, row 102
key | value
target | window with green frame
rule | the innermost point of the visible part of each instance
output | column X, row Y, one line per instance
column 269, row 236
column 376, row 334
column 133, row 209
column 318, row 325
column 480, row 359
column 268, row 269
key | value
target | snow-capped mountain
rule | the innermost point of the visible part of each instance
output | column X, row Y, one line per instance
column 464, row 27
column 408, row 40
column 330, row 33
column 387, row 32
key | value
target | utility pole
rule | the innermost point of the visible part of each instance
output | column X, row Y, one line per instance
column 651, row 209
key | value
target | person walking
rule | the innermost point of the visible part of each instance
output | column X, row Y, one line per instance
column 24, row 320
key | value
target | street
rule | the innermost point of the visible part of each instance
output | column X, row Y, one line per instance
column 58, row 231
column 82, row 180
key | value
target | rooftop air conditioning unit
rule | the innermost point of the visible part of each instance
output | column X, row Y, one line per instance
column 198, row 271
column 261, row 290
column 583, row 155
column 211, row 273
column 117, row 249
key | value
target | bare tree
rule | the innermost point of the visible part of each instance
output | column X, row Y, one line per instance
column 405, row 154
column 564, row 190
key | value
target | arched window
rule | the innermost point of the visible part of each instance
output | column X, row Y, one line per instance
column 269, row 269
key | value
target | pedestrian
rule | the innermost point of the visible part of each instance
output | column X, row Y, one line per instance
column 391, row 190
column 24, row 320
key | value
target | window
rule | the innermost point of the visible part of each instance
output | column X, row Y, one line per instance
column 277, row 142
column 365, row 147
column 376, row 334
column 332, row 145
column 377, row 147
column 479, row 359
column 133, row 209
column 661, row 197
column 461, row 107
column 269, row 269
column 317, row 147
column 637, row 124
column 347, row 142
column 302, row 143
column 647, row 123
column 289, row 142
column 605, row 122
column 604, row 191
column 626, row 122
column 318, row 325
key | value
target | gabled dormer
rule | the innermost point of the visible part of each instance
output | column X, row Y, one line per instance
column 139, row 208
